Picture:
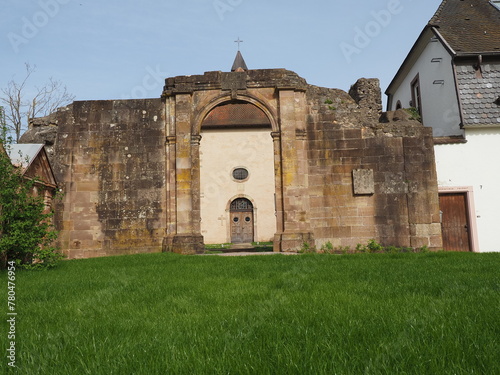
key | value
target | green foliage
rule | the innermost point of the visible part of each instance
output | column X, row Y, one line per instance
column 345, row 249
column 330, row 107
column 360, row 248
column 327, row 248
column 392, row 249
column 307, row 248
column 26, row 232
column 414, row 114
column 5, row 137
column 374, row 247
column 371, row 247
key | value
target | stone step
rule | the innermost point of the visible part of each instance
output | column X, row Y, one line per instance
column 241, row 246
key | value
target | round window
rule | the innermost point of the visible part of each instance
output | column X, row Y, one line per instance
column 240, row 174
column 247, row 219
column 236, row 219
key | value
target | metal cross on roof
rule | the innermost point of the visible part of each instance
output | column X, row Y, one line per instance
column 238, row 41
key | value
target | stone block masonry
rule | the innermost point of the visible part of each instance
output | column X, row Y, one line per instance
column 372, row 176
column 111, row 167
column 344, row 171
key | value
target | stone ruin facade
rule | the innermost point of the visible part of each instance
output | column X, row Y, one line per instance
column 341, row 170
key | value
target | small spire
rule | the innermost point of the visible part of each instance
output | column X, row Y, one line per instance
column 239, row 64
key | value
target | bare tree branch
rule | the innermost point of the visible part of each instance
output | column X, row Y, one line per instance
column 45, row 100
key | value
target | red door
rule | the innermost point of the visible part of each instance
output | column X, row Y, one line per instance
column 454, row 222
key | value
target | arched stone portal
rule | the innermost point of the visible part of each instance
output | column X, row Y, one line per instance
column 223, row 121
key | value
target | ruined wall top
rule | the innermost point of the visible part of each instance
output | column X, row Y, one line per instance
column 217, row 80
column 361, row 105
column 367, row 94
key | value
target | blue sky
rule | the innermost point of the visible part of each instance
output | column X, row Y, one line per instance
column 109, row 49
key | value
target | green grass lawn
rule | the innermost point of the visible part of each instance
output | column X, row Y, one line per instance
column 432, row 313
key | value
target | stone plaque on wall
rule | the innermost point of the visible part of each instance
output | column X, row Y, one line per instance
column 363, row 182
column 234, row 81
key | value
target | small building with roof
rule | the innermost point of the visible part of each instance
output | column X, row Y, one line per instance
column 34, row 164
column 451, row 77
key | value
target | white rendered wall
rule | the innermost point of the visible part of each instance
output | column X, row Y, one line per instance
column 439, row 101
column 477, row 164
column 220, row 152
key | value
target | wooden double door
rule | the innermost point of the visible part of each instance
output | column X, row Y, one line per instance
column 242, row 221
column 455, row 223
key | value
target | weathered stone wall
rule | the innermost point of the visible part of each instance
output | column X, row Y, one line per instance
column 111, row 167
column 344, row 172
column 370, row 179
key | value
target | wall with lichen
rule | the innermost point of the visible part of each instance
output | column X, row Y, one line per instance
column 111, row 168
column 370, row 176
column 344, row 172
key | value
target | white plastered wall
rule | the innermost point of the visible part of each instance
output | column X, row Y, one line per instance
column 476, row 164
column 439, row 101
column 220, row 152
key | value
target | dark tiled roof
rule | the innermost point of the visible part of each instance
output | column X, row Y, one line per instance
column 239, row 62
column 469, row 26
column 478, row 95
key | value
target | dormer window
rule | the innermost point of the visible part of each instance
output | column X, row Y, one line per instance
column 495, row 3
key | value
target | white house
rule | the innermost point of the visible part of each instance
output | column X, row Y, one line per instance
column 452, row 77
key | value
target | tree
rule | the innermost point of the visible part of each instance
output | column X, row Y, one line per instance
column 26, row 231
column 19, row 109
column 3, row 125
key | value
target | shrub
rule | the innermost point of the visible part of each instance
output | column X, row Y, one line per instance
column 374, row 247
column 26, row 231
column 327, row 248
column 414, row 114
column 307, row 248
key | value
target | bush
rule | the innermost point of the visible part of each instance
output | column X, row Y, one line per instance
column 26, row 231
column 307, row 248
column 327, row 248
column 374, row 247
column 371, row 247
